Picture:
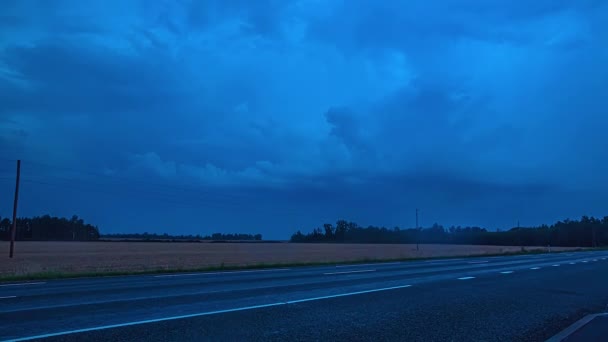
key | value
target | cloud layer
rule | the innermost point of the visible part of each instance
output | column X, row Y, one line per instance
column 299, row 112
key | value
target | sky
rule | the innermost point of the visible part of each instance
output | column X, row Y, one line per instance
column 194, row 117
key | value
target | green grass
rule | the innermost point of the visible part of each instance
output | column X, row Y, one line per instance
column 63, row 275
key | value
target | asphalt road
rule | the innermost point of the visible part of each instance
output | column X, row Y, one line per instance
column 514, row 298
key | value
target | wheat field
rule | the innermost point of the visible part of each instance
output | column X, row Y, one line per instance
column 38, row 257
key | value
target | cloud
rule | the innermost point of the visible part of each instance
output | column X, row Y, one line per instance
column 300, row 100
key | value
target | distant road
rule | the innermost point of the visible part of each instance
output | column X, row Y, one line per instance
column 516, row 298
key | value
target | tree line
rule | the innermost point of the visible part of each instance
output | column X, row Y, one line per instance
column 47, row 227
column 586, row 232
column 51, row 228
column 198, row 237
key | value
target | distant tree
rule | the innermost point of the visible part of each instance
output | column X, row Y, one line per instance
column 342, row 228
column 49, row 228
column 588, row 232
column 329, row 231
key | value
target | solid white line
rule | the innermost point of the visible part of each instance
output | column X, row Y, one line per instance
column 7, row 297
column 564, row 334
column 466, row 278
column 67, row 332
column 347, row 272
column 24, row 284
column 208, row 313
column 376, row 264
column 506, row 272
column 208, row 273
column 478, row 262
column 535, row 268
column 347, row 294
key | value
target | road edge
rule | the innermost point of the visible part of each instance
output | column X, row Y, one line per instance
column 576, row 326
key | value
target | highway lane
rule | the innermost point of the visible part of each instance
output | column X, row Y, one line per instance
column 41, row 308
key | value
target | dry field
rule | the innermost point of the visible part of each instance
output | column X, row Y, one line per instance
column 97, row 257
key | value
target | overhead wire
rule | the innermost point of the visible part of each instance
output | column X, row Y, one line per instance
column 115, row 185
column 199, row 189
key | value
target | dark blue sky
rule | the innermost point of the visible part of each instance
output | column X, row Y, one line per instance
column 272, row 116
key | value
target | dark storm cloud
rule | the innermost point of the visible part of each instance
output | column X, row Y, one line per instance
column 480, row 112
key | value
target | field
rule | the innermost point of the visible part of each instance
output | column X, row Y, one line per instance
column 73, row 258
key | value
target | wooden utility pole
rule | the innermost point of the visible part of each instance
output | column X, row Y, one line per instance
column 418, row 232
column 14, row 227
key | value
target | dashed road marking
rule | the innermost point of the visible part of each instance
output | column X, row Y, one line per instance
column 347, row 272
column 443, row 260
column 556, row 265
column 535, row 268
column 506, row 272
column 478, row 262
column 466, row 278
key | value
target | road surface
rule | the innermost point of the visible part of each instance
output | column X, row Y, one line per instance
column 511, row 298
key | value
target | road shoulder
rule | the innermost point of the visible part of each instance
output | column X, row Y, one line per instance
column 588, row 328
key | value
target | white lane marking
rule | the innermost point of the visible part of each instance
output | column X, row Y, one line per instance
column 24, row 284
column 8, row 297
column 208, row 313
column 572, row 263
column 594, row 260
column 535, row 268
column 377, row 264
column 208, row 273
column 478, row 262
column 443, row 260
column 466, row 278
column 556, row 265
column 506, row 272
column 347, row 272
column 67, row 332
column 347, row 294
column 585, row 261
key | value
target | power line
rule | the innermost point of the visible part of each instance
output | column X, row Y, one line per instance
column 195, row 202
column 131, row 180
column 139, row 186
column 193, row 196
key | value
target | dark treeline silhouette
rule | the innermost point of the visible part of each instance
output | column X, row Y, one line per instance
column 165, row 236
column 587, row 232
column 42, row 228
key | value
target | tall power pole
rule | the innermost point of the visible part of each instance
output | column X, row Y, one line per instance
column 14, row 227
column 418, row 232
